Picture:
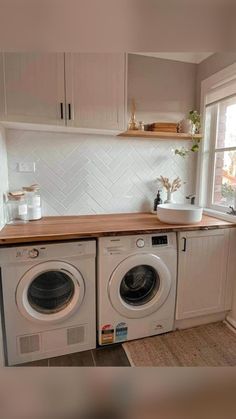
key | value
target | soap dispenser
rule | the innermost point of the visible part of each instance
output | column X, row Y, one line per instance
column 157, row 201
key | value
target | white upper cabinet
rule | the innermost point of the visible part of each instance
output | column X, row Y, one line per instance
column 80, row 90
column 34, row 87
column 95, row 90
column 202, row 274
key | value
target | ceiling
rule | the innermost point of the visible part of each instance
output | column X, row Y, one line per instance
column 187, row 57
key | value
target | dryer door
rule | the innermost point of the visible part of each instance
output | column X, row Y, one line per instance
column 50, row 292
column 139, row 285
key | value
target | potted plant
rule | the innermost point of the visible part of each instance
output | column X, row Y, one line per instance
column 194, row 120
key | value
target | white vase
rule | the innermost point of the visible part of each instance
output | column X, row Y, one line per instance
column 169, row 198
column 186, row 126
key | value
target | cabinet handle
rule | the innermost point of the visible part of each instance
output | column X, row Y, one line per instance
column 69, row 111
column 61, row 108
column 185, row 244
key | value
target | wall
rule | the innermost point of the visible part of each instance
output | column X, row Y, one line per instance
column 164, row 90
column 211, row 65
column 3, row 175
column 83, row 174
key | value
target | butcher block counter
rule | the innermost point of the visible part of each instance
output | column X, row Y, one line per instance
column 78, row 227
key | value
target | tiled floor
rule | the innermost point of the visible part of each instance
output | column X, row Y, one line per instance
column 111, row 356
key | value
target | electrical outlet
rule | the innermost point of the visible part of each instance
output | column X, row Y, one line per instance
column 26, row 167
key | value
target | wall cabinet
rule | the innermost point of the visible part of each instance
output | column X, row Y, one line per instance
column 33, row 87
column 81, row 90
column 202, row 273
column 95, row 90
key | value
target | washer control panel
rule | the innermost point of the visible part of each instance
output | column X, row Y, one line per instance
column 159, row 240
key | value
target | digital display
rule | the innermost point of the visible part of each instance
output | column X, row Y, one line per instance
column 159, row 240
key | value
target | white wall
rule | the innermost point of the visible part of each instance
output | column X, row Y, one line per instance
column 212, row 65
column 3, row 175
column 83, row 174
column 3, row 189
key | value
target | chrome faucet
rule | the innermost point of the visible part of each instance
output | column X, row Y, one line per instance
column 192, row 198
column 232, row 210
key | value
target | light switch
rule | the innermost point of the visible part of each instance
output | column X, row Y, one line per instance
column 27, row 167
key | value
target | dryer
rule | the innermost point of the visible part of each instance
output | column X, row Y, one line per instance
column 136, row 286
column 48, row 299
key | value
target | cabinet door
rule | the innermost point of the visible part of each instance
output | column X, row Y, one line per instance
column 34, row 87
column 95, row 90
column 202, row 273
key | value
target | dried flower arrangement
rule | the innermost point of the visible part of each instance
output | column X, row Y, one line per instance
column 171, row 187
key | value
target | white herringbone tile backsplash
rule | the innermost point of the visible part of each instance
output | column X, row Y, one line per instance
column 84, row 174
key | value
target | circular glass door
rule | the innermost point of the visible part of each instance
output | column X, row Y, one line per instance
column 50, row 291
column 139, row 285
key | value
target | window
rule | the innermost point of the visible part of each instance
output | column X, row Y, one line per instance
column 217, row 169
column 223, row 154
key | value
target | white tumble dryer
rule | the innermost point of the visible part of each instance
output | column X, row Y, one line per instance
column 136, row 286
column 48, row 298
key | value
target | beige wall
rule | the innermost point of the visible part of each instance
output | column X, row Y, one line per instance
column 3, row 175
column 164, row 90
column 211, row 65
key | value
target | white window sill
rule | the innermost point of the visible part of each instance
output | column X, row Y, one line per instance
column 220, row 215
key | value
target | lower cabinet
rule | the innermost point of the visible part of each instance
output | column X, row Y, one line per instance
column 202, row 273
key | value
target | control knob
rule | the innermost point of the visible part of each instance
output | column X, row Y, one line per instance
column 33, row 253
column 140, row 243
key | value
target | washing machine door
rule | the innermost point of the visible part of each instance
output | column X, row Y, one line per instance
column 139, row 285
column 50, row 292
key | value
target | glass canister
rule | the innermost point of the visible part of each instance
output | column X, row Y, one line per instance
column 33, row 198
column 17, row 209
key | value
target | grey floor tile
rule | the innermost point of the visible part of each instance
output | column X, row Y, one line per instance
column 78, row 359
column 39, row 363
column 110, row 356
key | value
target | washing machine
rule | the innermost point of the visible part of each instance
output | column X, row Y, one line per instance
column 136, row 286
column 48, row 299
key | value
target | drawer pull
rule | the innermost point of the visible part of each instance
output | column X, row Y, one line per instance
column 185, row 244
column 61, row 108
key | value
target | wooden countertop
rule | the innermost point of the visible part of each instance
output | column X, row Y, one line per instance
column 77, row 227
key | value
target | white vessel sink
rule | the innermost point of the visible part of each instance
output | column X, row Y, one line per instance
column 179, row 213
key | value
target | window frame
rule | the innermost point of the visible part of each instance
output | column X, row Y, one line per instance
column 208, row 149
column 213, row 150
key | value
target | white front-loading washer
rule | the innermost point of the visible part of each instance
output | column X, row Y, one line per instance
column 136, row 286
column 49, row 299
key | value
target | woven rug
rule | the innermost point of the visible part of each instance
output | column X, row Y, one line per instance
column 208, row 345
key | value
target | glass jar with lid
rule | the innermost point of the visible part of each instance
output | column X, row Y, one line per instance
column 33, row 198
column 17, row 209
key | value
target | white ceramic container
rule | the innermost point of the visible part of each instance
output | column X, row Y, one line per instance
column 179, row 213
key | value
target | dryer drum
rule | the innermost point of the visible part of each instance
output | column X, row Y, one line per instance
column 50, row 292
column 139, row 285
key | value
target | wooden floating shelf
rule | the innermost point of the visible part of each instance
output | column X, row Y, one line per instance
column 160, row 135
